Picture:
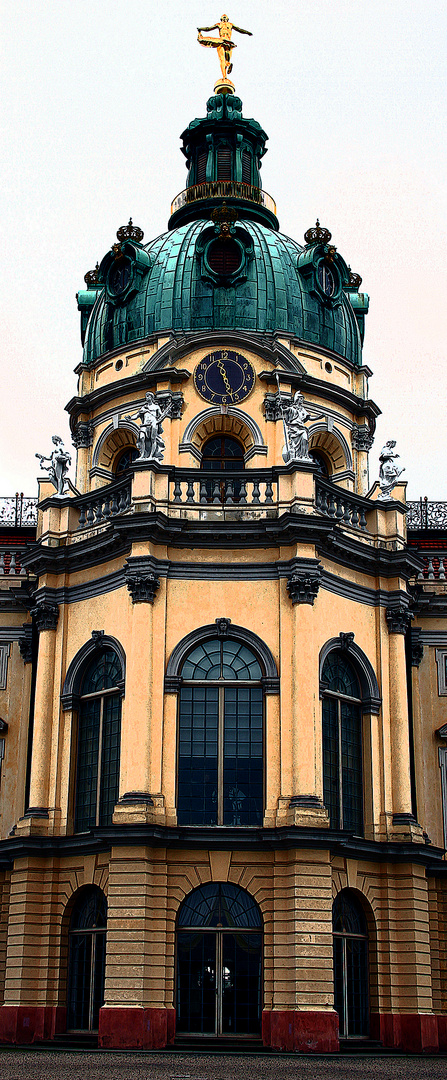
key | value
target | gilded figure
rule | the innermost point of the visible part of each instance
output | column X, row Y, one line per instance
column 223, row 43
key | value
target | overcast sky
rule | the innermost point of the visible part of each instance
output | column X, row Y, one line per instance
column 352, row 94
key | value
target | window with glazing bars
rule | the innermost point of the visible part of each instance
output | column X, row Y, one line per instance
column 342, row 745
column 220, row 747
column 99, row 732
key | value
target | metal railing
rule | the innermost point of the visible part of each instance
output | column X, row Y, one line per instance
column 426, row 515
column 18, row 511
column 341, row 505
column 223, row 189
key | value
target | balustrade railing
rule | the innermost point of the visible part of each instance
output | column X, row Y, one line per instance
column 435, row 566
column 11, row 562
column 97, row 506
column 254, row 488
column 426, row 515
column 223, row 189
column 341, row 505
column 18, row 511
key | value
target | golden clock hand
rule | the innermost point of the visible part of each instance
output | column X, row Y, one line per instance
column 225, row 378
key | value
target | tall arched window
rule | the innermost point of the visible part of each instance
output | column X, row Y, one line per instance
column 342, row 744
column 220, row 749
column 99, row 730
column 86, row 960
column 350, row 965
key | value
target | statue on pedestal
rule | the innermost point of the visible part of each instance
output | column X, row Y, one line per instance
column 296, row 446
column 59, row 462
column 389, row 473
column 223, row 43
column 150, row 443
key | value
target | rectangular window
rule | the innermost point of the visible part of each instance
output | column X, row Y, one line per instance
column 224, row 157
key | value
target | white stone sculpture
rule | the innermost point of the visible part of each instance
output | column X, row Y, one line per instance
column 150, row 443
column 59, row 462
column 389, row 472
column 296, row 435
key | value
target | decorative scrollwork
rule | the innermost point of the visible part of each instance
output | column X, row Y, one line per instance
column 426, row 515
column 317, row 235
column 130, row 232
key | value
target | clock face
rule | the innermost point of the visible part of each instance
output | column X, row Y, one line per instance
column 224, row 377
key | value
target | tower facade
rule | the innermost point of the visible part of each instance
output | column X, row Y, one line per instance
column 223, row 827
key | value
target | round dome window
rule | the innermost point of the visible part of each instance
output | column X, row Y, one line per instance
column 224, row 257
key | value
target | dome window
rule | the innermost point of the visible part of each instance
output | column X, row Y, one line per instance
column 224, row 257
column 326, row 279
column 119, row 277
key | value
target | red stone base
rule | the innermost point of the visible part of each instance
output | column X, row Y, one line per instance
column 413, row 1032
column 21, row 1024
column 310, row 1032
column 132, row 1028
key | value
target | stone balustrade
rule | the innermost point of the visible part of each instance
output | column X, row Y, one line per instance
column 341, row 505
column 435, row 566
column 11, row 561
column 257, row 487
column 97, row 506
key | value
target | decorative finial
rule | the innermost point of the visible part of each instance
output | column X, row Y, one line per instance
column 91, row 277
column 130, row 232
column 318, row 235
column 224, row 46
column 354, row 282
column 224, row 217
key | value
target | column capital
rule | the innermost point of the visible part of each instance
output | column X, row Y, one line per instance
column 142, row 585
column 46, row 614
column 398, row 617
column 303, row 586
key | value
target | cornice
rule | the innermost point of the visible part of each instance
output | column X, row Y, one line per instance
column 309, row 384
column 219, row 838
column 78, row 406
column 345, row 550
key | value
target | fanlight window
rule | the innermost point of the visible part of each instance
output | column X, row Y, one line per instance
column 220, row 753
column 342, row 744
column 99, row 730
column 220, row 905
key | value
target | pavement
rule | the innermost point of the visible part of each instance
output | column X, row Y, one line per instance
column 36, row 1064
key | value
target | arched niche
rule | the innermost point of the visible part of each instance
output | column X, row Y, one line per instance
column 111, row 444
column 211, row 422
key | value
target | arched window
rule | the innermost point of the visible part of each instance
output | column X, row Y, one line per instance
column 124, row 461
column 220, row 749
column 86, row 960
column 219, row 954
column 223, row 454
column 99, row 730
column 350, row 965
column 342, row 744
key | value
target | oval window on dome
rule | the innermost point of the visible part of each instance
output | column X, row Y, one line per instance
column 326, row 279
column 224, row 257
column 119, row 276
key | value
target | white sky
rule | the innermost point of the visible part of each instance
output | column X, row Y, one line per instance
column 352, row 94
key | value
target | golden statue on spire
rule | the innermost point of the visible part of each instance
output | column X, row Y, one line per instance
column 224, row 46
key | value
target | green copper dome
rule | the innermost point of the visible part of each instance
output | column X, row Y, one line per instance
column 222, row 264
column 177, row 289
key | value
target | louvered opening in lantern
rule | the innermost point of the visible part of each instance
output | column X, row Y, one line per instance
column 201, row 167
column 246, row 167
column 224, row 257
column 224, row 156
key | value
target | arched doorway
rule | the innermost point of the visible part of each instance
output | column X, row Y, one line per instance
column 86, row 960
column 219, row 962
column 351, row 996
